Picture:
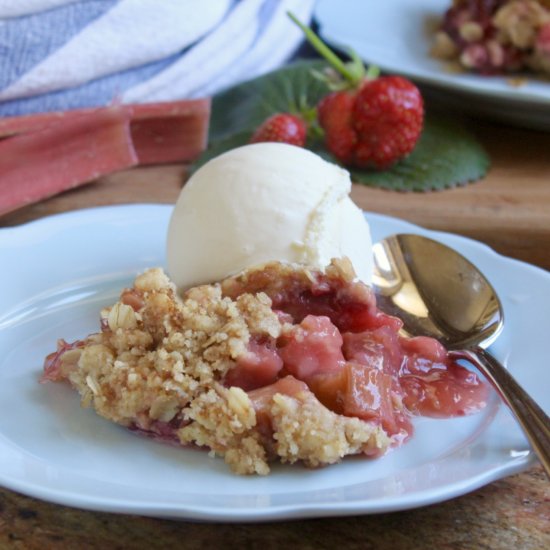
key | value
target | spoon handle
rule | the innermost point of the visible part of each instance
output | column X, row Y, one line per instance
column 533, row 420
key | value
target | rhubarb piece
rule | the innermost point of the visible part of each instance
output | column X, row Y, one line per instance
column 173, row 131
column 63, row 155
column 52, row 152
column 169, row 132
column 312, row 347
column 14, row 125
column 258, row 366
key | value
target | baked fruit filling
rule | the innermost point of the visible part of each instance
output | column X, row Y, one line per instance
column 496, row 36
column 278, row 363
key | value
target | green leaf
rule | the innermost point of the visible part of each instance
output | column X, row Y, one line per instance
column 446, row 155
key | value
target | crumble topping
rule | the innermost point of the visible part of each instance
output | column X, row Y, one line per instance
column 304, row 431
column 159, row 362
column 496, row 36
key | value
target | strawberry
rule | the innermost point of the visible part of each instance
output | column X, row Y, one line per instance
column 370, row 121
column 335, row 114
column 374, row 126
column 282, row 127
column 387, row 116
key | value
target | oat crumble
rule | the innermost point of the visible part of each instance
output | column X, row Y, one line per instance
column 159, row 361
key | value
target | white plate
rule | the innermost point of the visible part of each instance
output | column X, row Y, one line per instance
column 58, row 272
column 397, row 36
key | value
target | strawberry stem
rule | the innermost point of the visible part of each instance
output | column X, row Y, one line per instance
column 373, row 72
column 325, row 51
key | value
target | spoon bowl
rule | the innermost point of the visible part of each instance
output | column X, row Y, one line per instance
column 437, row 292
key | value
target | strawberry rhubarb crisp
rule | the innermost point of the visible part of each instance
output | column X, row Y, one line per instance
column 278, row 363
column 496, row 36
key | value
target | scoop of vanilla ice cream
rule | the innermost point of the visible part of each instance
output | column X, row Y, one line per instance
column 262, row 202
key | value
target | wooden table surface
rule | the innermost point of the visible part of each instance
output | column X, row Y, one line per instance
column 510, row 211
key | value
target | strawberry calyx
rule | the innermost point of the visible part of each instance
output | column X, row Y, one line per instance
column 340, row 75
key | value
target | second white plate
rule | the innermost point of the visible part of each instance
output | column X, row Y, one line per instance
column 397, row 36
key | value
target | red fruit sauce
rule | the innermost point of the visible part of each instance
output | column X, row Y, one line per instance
column 351, row 356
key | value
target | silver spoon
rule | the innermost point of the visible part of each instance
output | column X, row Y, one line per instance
column 439, row 293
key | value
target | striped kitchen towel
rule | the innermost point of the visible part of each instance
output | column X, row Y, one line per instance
column 67, row 54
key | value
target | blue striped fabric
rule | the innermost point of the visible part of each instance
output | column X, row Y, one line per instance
column 101, row 91
column 24, row 41
column 88, row 53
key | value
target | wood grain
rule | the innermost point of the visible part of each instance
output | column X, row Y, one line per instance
column 509, row 209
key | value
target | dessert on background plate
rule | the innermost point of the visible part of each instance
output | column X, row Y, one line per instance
column 266, row 346
column 496, row 36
